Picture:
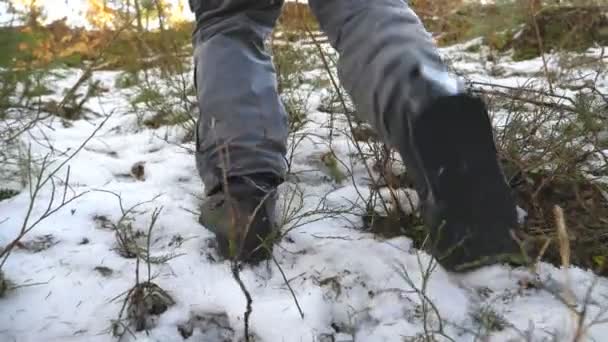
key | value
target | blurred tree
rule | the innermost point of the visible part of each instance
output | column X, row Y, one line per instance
column 537, row 5
column 100, row 15
column 177, row 15
column 29, row 10
column 138, row 15
column 146, row 15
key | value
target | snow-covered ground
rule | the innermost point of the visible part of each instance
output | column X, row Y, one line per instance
column 350, row 285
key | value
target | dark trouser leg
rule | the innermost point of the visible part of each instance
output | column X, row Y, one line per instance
column 391, row 68
column 388, row 64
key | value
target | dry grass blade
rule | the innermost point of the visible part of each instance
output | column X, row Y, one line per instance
column 37, row 182
column 562, row 234
column 293, row 294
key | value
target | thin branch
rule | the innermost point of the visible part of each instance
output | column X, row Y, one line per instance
column 293, row 295
column 237, row 276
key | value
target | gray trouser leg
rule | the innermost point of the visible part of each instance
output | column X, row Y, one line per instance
column 388, row 62
column 242, row 128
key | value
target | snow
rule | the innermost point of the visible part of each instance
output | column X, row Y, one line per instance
column 350, row 284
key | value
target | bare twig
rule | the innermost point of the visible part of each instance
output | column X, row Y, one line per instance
column 237, row 276
column 293, row 295
column 37, row 182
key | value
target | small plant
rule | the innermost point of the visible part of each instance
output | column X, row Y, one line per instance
column 145, row 300
column 213, row 326
column 132, row 243
column 126, row 80
column 330, row 161
column 7, row 193
column 396, row 223
column 38, row 244
column 549, row 147
column 165, row 102
column 104, row 271
column 3, row 284
column 40, row 174
column 489, row 320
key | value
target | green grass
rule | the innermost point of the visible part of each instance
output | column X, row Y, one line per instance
column 10, row 41
column 496, row 23
column 509, row 25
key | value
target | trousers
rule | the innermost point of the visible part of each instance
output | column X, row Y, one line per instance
column 387, row 63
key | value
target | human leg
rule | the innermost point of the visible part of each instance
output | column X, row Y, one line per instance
column 242, row 127
column 395, row 76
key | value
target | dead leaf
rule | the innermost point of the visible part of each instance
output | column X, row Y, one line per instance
column 138, row 171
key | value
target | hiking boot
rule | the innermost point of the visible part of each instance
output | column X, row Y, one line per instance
column 242, row 216
column 466, row 201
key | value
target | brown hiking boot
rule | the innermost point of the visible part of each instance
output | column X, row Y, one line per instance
column 242, row 216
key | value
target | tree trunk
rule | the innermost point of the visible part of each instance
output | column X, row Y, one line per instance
column 140, row 26
column 536, row 6
column 161, row 15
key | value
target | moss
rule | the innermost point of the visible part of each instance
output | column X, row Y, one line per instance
column 506, row 24
column 492, row 22
column 524, row 53
column 474, row 48
column 561, row 28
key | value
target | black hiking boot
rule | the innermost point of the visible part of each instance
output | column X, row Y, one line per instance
column 466, row 201
column 242, row 216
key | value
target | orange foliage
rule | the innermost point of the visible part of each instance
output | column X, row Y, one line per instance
column 99, row 14
column 57, row 40
column 26, row 4
column 177, row 13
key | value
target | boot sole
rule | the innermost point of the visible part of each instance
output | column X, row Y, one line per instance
column 474, row 211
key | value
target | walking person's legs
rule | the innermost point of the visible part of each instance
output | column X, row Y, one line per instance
column 391, row 68
column 242, row 128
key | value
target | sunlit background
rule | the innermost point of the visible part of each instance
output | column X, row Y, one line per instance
column 93, row 13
